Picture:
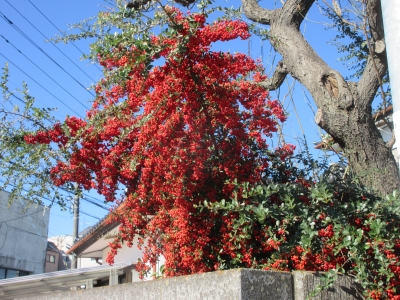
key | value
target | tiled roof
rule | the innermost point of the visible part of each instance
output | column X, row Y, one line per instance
column 94, row 233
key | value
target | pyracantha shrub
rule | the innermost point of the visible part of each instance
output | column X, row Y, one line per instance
column 173, row 136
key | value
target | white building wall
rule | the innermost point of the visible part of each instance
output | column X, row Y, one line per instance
column 23, row 235
column 132, row 254
column 86, row 262
column 63, row 242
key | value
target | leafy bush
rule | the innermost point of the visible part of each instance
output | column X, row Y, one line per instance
column 317, row 226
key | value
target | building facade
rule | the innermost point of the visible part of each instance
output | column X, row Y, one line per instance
column 94, row 245
column 23, row 237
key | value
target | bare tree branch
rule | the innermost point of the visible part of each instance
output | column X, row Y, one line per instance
column 344, row 108
column 294, row 12
column 277, row 78
column 375, row 20
column 376, row 66
column 390, row 143
column 256, row 13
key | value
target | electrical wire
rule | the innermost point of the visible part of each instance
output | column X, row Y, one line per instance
column 24, row 216
column 23, row 101
column 43, row 71
column 42, row 86
column 89, row 215
column 99, row 202
column 94, row 203
column 73, row 44
column 7, row 20
column 88, row 200
column 80, row 211
column 50, row 40
column 29, row 216
column 44, row 237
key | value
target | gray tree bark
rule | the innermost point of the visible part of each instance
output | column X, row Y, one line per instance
column 344, row 107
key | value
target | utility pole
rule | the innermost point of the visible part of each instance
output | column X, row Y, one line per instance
column 391, row 23
column 75, row 233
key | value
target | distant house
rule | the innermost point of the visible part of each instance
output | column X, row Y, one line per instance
column 64, row 243
column 95, row 245
column 383, row 121
column 54, row 259
column 23, row 237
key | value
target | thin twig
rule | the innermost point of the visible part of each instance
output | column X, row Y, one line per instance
column 341, row 18
column 23, row 116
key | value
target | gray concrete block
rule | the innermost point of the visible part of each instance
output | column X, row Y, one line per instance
column 265, row 285
column 237, row 284
column 345, row 287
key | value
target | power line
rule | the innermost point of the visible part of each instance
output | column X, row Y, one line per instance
column 73, row 44
column 23, row 101
column 89, row 215
column 95, row 203
column 102, row 205
column 98, row 200
column 43, row 71
column 4, row 17
column 38, row 234
column 52, row 201
column 49, row 40
column 33, row 224
column 41, row 86
column 24, row 216
column 88, row 200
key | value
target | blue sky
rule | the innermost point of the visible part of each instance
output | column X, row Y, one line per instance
column 64, row 76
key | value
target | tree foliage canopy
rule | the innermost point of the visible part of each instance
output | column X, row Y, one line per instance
column 173, row 136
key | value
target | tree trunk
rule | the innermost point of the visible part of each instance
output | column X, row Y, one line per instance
column 370, row 159
column 344, row 108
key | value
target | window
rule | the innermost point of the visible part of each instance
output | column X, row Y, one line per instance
column 10, row 273
column 23, row 273
column 3, row 273
column 50, row 258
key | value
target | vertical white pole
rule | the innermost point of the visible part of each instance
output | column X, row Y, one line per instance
column 75, row 233
column 391, row 23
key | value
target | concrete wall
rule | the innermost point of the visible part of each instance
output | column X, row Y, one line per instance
column 305, row 282
column 237, row 284
column 23, row 235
